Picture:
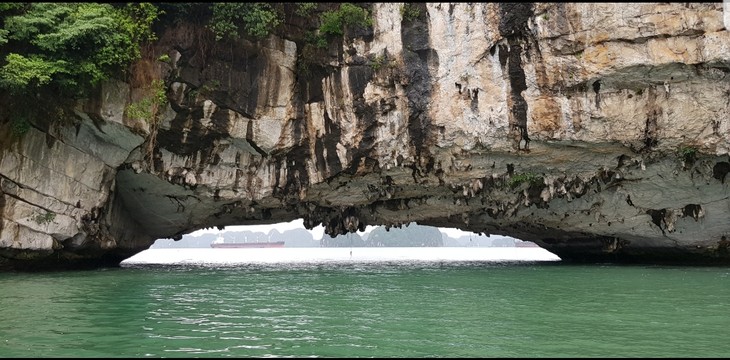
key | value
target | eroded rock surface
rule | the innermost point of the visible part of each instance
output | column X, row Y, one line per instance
column 599, row 131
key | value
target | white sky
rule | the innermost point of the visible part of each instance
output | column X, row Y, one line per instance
column 299, row 224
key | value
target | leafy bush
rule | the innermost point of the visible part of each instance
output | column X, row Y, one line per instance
column 518, row 179
column 46, row 218
column 149, row 107
column 20, row 126
column 377, row 62
column 21, row 72
column 317, row 40
column 333, row 22
column 304, row 9
column 409, row 12
column 71, row 46
column 257, row 19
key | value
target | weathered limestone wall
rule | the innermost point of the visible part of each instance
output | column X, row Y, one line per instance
column 57, row 188
column 599, row 131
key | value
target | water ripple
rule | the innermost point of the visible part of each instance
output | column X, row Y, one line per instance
column 368, row 310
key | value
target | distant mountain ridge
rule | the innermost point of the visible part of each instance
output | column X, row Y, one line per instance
column 413, row 235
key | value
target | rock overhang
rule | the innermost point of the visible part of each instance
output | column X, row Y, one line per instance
column 564, row 128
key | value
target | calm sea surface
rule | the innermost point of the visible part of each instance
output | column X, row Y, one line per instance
column 368, row 308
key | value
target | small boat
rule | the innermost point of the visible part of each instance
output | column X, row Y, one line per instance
column 219, row 244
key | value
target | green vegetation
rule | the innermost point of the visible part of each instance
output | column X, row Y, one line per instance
column 7, row 9
column 518, row 179
column 334, row 22
column 317, row 40
column 204, row 90
column 409, row 12
column 306, row 59
column 149, row 107
column 164, row 58
column 688, row 153
column 70, row 47
column 257, row 20
column 378, row 62
column 305, row 9
column 46, row 218
column 20, row 126
column 210, row 86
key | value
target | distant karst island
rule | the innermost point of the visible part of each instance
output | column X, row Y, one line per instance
column 412, row 235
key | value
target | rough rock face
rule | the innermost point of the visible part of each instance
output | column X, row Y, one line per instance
column 599, row 131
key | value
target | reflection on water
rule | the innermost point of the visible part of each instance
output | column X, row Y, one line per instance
column 203, row 256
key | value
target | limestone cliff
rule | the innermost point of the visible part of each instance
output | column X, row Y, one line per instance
column 599, row 131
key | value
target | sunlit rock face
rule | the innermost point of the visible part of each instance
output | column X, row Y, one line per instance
column 599, row 131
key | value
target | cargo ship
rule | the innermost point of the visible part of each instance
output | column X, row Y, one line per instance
column 219, row 244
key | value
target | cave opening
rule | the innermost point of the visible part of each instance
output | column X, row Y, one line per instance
column 291, row 243
column 294, row 234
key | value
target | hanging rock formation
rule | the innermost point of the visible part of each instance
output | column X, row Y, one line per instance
column 599, row 131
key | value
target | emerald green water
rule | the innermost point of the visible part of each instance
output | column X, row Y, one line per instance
column 368, row 310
